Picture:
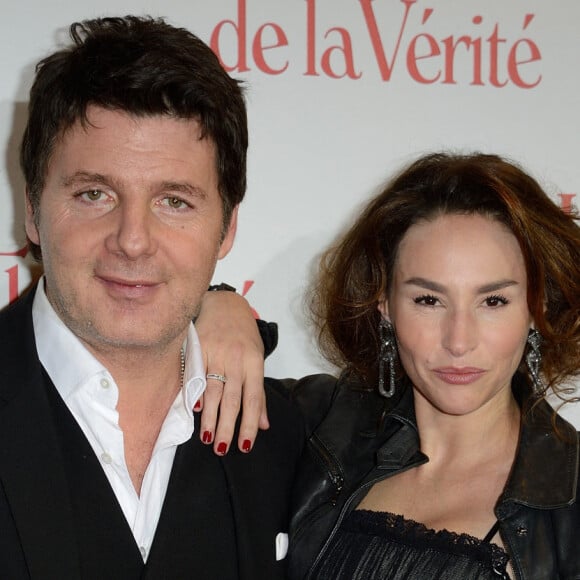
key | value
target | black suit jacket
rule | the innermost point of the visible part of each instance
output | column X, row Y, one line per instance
column 59, row 517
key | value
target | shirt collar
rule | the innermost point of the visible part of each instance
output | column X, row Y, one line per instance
column 66, row 360
column 70, row 365
column 194, row 382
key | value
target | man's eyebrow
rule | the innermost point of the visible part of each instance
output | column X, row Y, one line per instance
column 83, row 177
column 436, row 287
column 184, row 187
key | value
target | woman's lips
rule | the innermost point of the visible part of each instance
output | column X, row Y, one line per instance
column 459, row 376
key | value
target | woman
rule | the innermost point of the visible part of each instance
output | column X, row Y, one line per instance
column 453, row 307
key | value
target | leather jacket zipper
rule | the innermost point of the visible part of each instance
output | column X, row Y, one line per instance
column 355, row 495
column 334, row 471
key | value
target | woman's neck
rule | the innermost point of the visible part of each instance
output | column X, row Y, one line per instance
column 491, row 430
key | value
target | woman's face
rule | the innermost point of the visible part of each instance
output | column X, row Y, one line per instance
column 458, row 305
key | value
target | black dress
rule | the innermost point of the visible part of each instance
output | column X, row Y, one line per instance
column 376, row 545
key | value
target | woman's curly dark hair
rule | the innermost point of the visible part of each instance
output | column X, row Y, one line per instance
column 355, row 274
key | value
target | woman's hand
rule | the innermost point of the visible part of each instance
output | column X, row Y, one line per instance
column 232, row 347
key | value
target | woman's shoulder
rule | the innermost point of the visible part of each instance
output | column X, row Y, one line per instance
column 545, row 470
column 313, row 395
column 332, row 405
column 319, row 396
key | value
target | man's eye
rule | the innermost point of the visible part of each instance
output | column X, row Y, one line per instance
column 175, row 202
column 92, row 195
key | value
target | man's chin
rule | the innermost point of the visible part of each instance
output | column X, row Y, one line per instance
column 132, row 339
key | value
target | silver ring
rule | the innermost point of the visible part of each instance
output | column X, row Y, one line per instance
column 217, row 377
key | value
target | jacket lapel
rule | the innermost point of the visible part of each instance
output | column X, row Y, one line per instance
column 195, row 536
column 545, row 470
column 31, row 468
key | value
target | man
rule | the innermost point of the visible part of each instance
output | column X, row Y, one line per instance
column 134, row 160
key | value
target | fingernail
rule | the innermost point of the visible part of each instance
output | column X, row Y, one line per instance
column 222, row 448
column 197, row 405
column 246, row 445
column 206, row 438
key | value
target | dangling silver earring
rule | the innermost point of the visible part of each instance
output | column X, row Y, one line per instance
column 387, row 357
column 534, row 360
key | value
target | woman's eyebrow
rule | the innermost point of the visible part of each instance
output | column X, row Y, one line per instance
column 436, row 287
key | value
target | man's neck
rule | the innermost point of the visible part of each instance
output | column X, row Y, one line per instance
column 148, row 383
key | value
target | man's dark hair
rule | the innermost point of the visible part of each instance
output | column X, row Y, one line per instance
column 143, row 66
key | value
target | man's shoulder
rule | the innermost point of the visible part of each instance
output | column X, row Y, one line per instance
column 18, row 350
column 17, row 310
column 16, row 324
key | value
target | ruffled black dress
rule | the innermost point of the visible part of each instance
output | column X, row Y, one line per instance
column 374, row 545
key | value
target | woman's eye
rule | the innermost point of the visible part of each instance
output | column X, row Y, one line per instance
column 427, row 300
column 495, row 301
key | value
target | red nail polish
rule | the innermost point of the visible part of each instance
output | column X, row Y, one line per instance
column 206, row 438
column 222, row 448
column 246, row 445
column 197, row 405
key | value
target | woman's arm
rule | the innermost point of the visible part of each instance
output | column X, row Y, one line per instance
column 233, row 348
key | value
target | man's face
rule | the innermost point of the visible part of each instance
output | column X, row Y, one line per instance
column 130, row 226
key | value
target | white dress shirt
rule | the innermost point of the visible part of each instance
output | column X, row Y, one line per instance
column 91, row 395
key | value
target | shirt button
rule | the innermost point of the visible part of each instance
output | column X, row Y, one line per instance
column 106, row 458
column 143, row 552
column 105, row 383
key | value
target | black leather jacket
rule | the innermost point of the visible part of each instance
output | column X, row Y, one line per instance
column 355, row 441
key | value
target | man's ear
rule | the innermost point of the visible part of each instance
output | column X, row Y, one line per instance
column 30, row 221
column 230, row 235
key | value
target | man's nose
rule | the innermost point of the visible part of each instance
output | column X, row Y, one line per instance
column 134, row 231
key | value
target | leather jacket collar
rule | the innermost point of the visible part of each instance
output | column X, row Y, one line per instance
column 357, row 438
column 544, row 473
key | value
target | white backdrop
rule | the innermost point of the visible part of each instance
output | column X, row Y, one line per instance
column 340, row 94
